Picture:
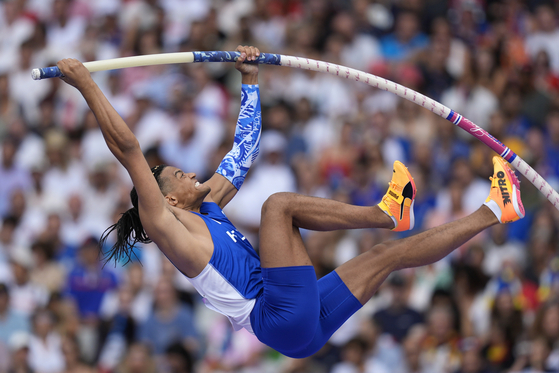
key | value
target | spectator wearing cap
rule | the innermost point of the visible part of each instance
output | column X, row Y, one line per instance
column 89, row 281
column 398, row 318
column 19, row 359
column 12, row 321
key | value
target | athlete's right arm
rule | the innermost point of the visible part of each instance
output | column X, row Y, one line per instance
column 162, row 225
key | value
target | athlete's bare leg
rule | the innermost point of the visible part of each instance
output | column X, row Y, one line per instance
column 281, row 244
column 284, row 213
column 364, row 273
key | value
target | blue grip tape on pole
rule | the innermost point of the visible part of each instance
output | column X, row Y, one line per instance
column 218, row 56
column 46, row 72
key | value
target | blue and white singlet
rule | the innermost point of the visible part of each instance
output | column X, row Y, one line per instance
column 231, row 281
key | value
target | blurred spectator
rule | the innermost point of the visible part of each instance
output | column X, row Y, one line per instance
column 474, row 188
column 122, row 328
column 8, row 107
column 545, row 36
column 336, row 162
column 412, row 349
column 196, row 139
column 179, row 359
column 138, row 294
column 101, row 193
column 47, row 272
column 15, row 29
column 533, row 356
column 64, row 175
column 382, row 351
column 397, row 319
column 227, row 350
column 500, row 251
column 143, row 116
column 64, row 30
column 7, row 240
column 25, row 296
column 12, row 321
column 89, row 281
column 471, row 97
column 19, row 359
column 137, row 360
column 406, row 39
column 440, row 349
column 13, row 177
column 354, row 359
column 552, row 147
column 26, row 94
column 359, row 49
column 72, row 362
column 77, row 226
column 45, row 345
column 472, row 360
column 169, row 322
column 469, row 285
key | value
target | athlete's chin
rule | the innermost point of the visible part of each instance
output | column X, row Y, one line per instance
column 204, row 189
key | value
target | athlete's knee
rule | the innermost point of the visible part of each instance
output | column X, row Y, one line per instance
column 281, row 202
column 380, row 250
column 384, row 251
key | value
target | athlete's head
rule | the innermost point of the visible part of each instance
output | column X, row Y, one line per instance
column 179, row 189
column 182, row 189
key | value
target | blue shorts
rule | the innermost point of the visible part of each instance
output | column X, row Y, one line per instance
column 295, row 314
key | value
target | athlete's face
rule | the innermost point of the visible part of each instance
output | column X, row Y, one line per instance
column 185, row 190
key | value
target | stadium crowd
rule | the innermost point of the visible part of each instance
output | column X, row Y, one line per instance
column 491, row 306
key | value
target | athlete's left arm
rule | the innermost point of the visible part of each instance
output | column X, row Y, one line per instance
column 231, row 173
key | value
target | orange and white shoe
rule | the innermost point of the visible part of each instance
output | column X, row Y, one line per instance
column 504, row 197
column 399, row 199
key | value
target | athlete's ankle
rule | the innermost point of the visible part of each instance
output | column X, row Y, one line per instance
column 487, row 214
column 384, row 221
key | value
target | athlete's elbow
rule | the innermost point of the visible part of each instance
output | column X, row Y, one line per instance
column 129, row 145
column 123, row 148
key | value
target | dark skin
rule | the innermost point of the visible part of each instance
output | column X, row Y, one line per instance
column 182, row 236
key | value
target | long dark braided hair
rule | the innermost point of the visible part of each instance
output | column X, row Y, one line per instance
column 129, row 229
